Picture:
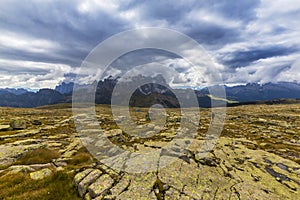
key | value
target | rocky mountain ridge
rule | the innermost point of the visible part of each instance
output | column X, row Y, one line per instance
column 156, row 92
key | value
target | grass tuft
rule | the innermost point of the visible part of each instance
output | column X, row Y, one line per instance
column 37, row 156
column 21, row 186
column 81, row 158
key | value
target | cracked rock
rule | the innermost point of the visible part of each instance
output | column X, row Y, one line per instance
column 99, row 187
column 89, row 179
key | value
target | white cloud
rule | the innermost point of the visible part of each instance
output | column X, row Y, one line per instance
column 30, row 74
column 268, row 70
column 16, row 41
column 93, row 6
column 177, row 72
column 290, row 74
column 207, row 16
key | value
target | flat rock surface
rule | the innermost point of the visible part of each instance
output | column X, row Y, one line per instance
column 256, row 174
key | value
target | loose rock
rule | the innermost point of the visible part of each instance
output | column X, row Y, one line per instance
column 41, row 174
column 18, row 124
column 4, row 127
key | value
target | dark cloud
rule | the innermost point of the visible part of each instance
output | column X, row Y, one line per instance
column 243, row 10
column 245, row 58
column 168, row 10
column 213, row 36
column 183, row 16
column 59, row 21
column 141, row 57
column 175, row 12
column 244, row 36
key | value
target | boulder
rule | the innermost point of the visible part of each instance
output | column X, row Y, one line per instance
column 18, row 124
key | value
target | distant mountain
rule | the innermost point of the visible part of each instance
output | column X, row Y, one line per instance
column 156, row 91
column 18, row 91
column 264, row 92
column 31, row 99
column 65, row 88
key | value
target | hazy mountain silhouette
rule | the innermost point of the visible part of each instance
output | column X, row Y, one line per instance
column 268, row 91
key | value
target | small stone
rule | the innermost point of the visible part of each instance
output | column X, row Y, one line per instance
column 60, row 136
column 256, row 178
column 297, row 171
column 278, row 179
column 262, row 120
column 41, row 166
column 60, row 169
column 4, row 127
column 60, row 164
column 36, row 122
column 41, row 174
column 290, row 132
column 54, row 144
column 293, row 141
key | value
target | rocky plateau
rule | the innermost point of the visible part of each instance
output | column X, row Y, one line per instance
column 255, row 157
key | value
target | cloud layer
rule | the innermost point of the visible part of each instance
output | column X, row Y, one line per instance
column 44, row 42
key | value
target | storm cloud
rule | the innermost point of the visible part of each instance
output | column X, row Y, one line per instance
column 43, row 43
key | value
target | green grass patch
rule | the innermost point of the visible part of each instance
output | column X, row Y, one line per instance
column 81, row 158
column 38, row 156
column 21, row 186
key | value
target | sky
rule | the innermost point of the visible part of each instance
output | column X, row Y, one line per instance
column 43, row 42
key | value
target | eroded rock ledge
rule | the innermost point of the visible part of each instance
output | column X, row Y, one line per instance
column 231, row 171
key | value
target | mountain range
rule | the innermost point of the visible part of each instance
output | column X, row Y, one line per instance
column 155, row 92
column 264, row 92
